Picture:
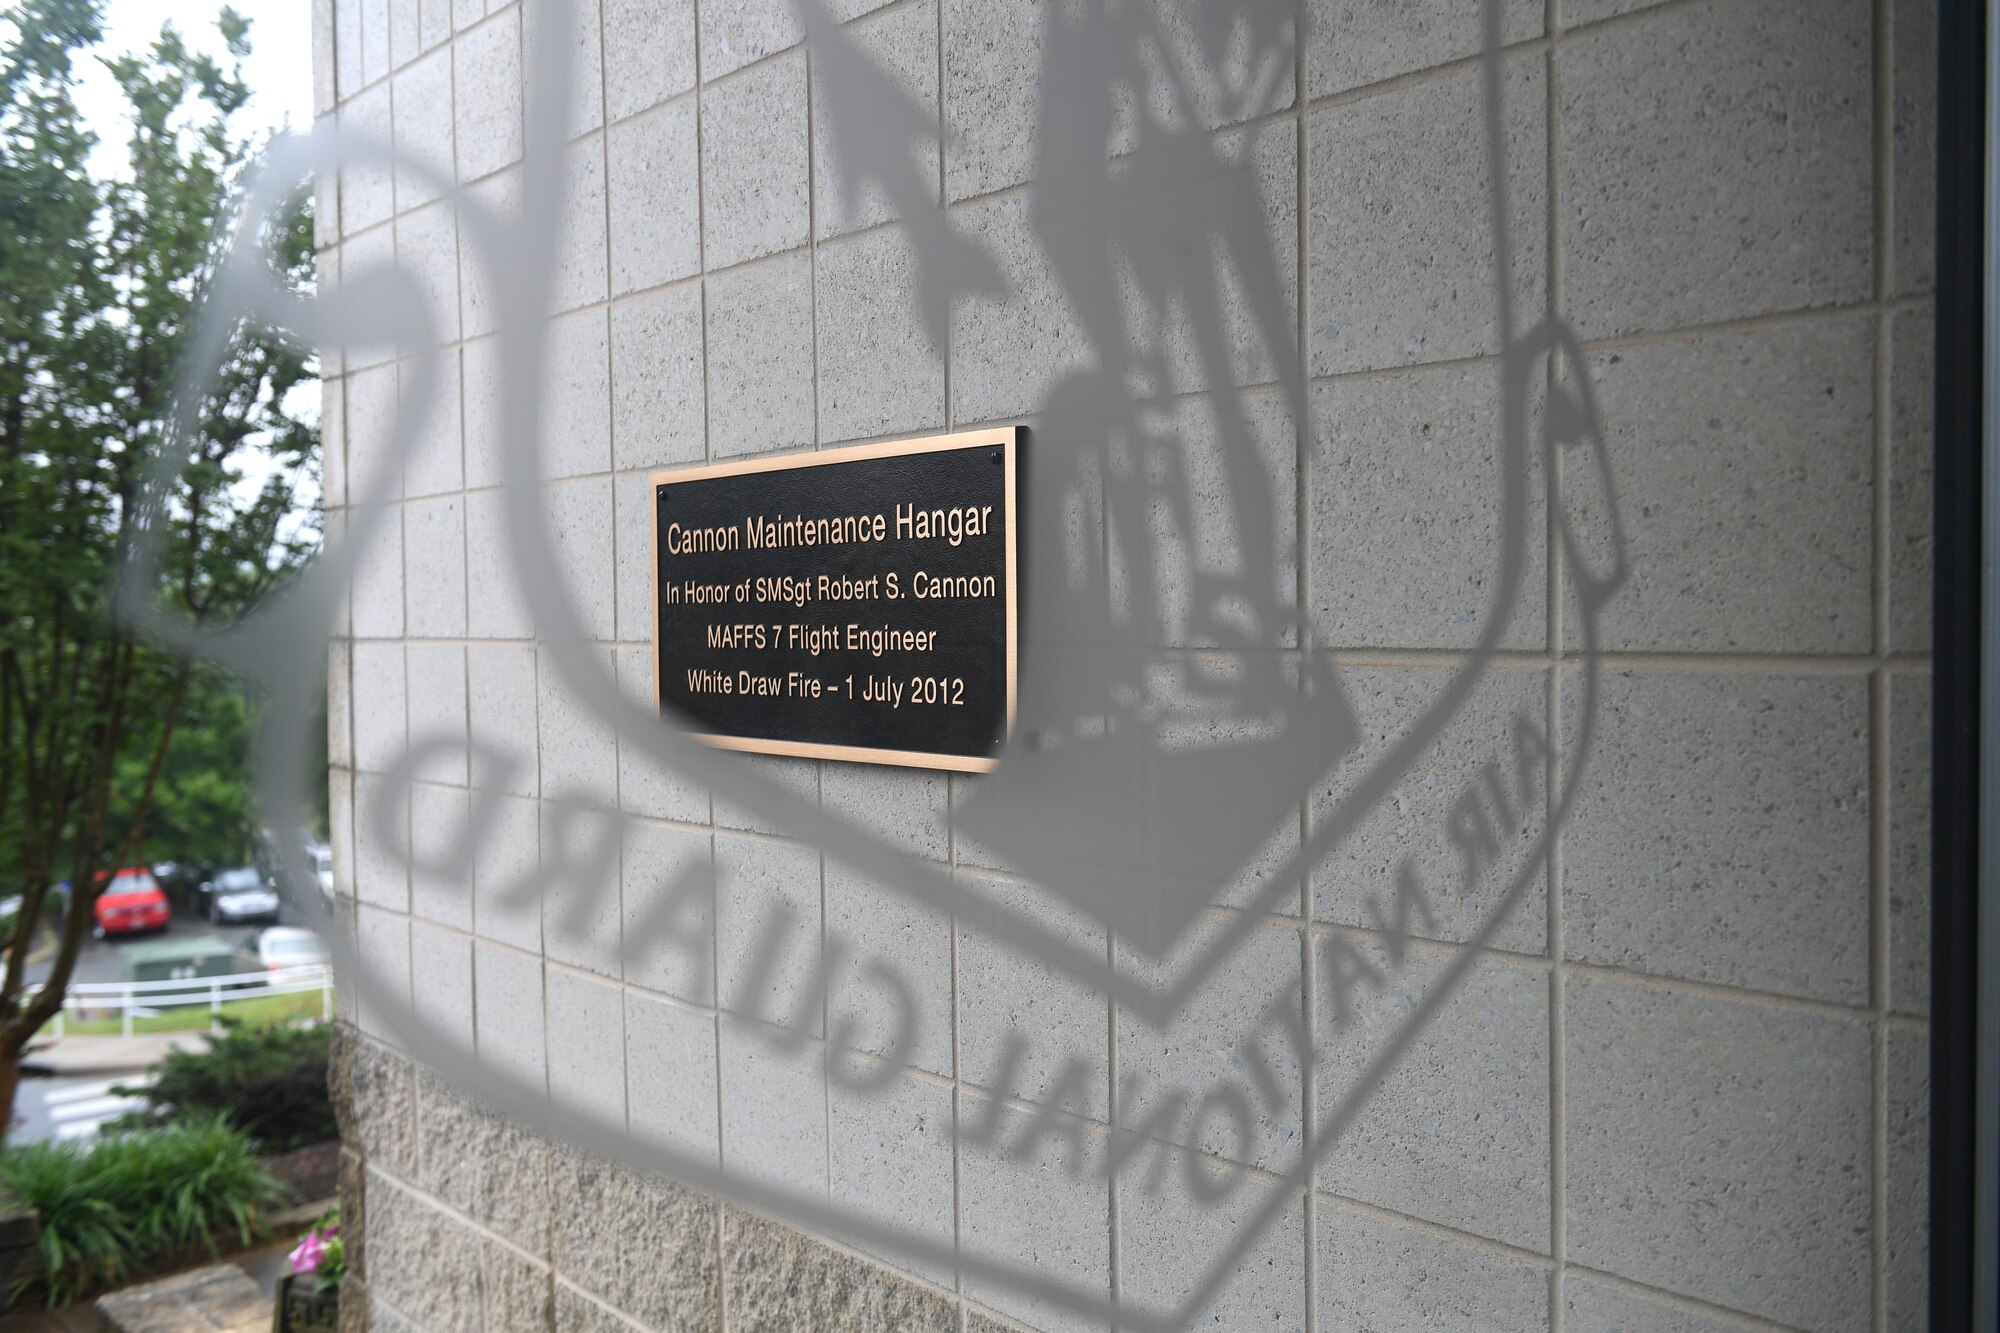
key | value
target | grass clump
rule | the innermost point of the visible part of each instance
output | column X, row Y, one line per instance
column 263, row 1010
column 133, row 1199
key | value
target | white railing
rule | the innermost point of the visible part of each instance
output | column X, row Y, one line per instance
column 146, row 998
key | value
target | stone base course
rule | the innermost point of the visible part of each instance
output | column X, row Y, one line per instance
column 458, row 1218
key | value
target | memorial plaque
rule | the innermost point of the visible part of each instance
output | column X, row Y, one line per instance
column 851, row 604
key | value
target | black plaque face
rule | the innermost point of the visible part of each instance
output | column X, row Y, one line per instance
column 851, row 604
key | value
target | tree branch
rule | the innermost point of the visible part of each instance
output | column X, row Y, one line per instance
column 84, row 864
column 174, row 704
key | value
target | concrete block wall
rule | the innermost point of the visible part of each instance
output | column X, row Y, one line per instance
column 1685, row 1086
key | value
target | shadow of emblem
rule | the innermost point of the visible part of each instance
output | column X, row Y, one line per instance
column 1175, row 706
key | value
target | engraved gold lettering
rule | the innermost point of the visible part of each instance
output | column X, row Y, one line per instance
column 926, row 585
column 694, row 541
column 954, row 524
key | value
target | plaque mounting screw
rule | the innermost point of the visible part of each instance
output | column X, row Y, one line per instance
column 997, row 455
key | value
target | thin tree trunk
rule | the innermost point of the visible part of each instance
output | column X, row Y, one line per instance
column 145, row 803
column 26, row 1022
column 10, row 1079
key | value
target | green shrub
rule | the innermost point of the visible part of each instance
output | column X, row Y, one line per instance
column 270, row 1082
column 111, row 1208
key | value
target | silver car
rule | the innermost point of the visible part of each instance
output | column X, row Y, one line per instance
column 280, row 951
column 242, row 894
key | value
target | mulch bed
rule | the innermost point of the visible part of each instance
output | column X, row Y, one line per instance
column 313, row 1171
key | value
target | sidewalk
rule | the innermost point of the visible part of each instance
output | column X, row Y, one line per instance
column 264, row 1265
column 68, row 1057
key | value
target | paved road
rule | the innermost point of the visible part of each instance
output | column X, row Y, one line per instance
column 69, row 1108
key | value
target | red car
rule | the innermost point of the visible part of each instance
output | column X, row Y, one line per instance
column 130, row 903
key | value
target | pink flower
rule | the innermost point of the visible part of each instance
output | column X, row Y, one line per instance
column 305, row 1259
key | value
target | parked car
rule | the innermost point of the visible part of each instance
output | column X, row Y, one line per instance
column 129, row 904
column 322, row 860
column 243, row 893
column 182, row 880
column 280, row 949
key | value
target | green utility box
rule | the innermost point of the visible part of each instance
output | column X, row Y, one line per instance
column 178, row 960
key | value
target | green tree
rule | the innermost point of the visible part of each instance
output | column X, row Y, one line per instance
column 102, row 279
column 202, row 807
